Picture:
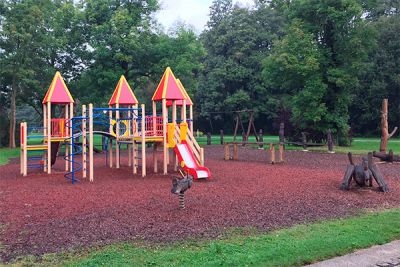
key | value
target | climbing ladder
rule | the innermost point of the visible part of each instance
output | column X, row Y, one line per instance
column 33, row 148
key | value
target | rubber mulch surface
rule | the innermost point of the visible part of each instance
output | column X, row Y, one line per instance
column 44, row 213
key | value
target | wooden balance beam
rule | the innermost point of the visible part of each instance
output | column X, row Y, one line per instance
column 235, row 156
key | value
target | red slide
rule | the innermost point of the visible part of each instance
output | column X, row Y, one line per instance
column 186, row 156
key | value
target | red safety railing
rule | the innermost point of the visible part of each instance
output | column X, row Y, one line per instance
column 58, row 128
column 154, row 126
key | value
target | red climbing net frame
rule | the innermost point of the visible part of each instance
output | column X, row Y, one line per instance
column 153, row 126
column 58, row 128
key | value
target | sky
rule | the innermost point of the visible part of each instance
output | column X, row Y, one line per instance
column 193, row 12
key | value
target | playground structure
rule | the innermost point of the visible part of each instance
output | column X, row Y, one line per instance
column 122, row 122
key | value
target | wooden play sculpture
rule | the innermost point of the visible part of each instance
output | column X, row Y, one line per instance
column 363, row 174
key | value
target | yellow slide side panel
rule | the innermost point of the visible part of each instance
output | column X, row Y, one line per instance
column 171, row 131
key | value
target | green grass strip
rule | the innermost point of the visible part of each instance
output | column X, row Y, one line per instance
column 6, row 154
column 294, row 246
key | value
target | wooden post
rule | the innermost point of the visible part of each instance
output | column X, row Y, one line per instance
column 71, row 131
column 208, row 139
column 45, row 132
column 48, row 137
column 174, row 112
column 174, row 116
column 281, row 150
column 235, row 152
column 110, row 146
column 25, row 152
column 117, row 137
column 385, row 126
column 184, row 110
column 227, row 153
column 202, row 156
column 272, row 151
column 165, row 152
column 129, row 122
column 135, row 153
column 191, row 117
column 21, row 148
column 67, row 131
column 155, row 157
column 91, row 174
column 221, row 132
column 154, row 118
column 143, row 141
column 84, row 141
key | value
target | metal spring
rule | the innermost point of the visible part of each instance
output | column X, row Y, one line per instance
column 181, row 201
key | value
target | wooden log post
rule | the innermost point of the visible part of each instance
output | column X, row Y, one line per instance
column 377, row 175
column 330, row 141
column 208, row 139
column 272, row 152
column 221, row 132
column 260, row 139
column 91, row 141
column 143, row 140
column 385, row 127
column 235, row 152
column 390, row 157
column 227, row 153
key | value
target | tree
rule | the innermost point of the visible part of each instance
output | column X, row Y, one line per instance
column 343, row 40
column 22, row 31
column 236, row 41
column 34, row 43
column 293, row 72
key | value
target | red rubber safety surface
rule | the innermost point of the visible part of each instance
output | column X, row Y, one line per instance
column 44, row 213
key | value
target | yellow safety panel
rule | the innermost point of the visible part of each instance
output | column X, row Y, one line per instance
column 171, row 132
column 184, row 129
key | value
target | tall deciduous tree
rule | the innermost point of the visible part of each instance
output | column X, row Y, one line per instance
column 343, row 40
column 236, row 41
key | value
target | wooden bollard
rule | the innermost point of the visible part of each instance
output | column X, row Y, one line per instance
column 222, row 136
column 208, row 138
column 227, row 154
column 272, row 151
column 235, row 152
column 281, row 150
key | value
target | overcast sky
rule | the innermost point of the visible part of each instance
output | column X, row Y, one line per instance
column 193, row 12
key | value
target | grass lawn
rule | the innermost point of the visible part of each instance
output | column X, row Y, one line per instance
column 359, row 145
column 298, row 245
column 7, row 153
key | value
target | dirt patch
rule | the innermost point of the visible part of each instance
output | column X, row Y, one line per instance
column 44, row 213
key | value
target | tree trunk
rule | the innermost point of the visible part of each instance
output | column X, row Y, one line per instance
column 12, row 117
column 384, row 126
